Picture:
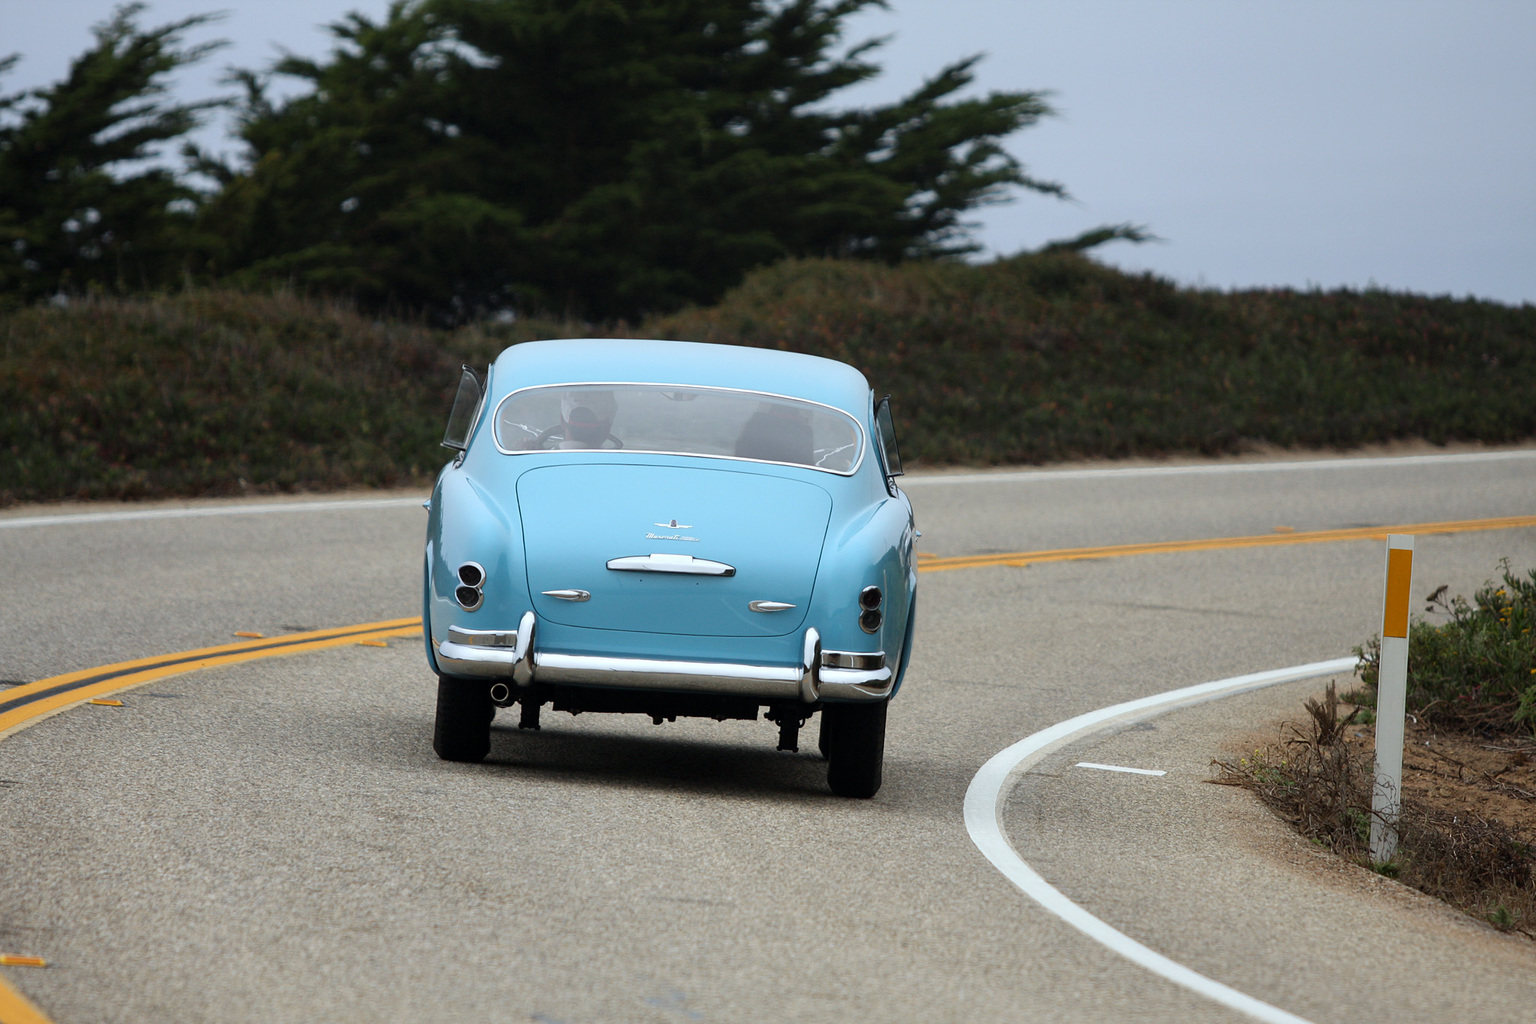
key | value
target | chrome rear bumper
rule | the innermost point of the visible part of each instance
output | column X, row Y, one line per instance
column 821, row 675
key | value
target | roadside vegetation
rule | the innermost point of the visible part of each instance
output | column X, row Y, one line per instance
column 213, row 393
column 1050, row 356
column 1477, row 669
column 1467, row 832
column 1037, row 358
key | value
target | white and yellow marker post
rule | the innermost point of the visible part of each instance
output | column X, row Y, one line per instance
column 1391, row 698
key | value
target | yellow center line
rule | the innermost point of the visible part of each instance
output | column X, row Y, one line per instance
column 1266, row 540
column 24, row 705
column 30, row 703
column 16, row 1009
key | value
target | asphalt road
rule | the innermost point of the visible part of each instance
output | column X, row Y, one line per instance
column 275, row 841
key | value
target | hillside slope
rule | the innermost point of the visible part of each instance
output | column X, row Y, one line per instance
column 1032, row 359
column 1042, row 358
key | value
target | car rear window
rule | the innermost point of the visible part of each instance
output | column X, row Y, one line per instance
column 680, row 420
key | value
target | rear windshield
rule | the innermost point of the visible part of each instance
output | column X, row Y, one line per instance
column 681, row 420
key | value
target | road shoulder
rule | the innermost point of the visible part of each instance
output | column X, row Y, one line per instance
column 1206, row 875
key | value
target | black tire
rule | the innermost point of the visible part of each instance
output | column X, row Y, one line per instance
column 854, row 736
column 464, row 713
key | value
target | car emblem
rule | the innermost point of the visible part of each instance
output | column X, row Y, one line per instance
column 672, row 525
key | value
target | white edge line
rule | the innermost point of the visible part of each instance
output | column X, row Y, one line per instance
column 1026, row 475
column 1033, row 475
column 198, row 513
column 984, row 808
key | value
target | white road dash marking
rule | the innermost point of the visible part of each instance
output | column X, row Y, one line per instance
column 984, row 809
column 1204, row 469
column 1120, row 768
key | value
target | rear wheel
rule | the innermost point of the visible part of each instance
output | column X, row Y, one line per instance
column 853, row 738
column 464, row 713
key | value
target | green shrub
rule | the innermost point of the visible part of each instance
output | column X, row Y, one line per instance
column 1478, row 668
column 1036, row 358
column 1045, row 357
column 218, row 393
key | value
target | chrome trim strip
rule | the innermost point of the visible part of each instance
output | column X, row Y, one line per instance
column 841, row 684
column 809, row 681
column 522, row 657
column 810, row 661
column 506, row 638
column 569, row 595
column 860, row 660
column 664, row 562
column 653, row 674
column 857, row 425
column 769, row 606
column 489, row 652
column 465, row 660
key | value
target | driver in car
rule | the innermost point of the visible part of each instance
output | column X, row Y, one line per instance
column 586, row 419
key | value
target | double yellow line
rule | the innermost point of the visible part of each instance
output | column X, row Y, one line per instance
column 25, row 705
column 20, row 706
column 1263, row 540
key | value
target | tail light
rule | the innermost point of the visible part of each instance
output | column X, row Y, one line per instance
column 470, row 591
column 871, row 617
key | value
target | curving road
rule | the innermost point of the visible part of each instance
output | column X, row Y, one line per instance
column 275, row 840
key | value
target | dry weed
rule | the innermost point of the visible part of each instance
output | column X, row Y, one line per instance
column 1322, row 786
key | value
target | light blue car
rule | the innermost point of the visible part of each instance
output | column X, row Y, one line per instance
column 671, row 529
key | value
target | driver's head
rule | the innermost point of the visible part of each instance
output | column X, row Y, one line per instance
column 588, row 417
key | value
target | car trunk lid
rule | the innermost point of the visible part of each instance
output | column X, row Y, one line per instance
column 669, row 549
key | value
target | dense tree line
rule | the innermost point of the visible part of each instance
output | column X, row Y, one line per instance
column 71, row 216
column 597, row 158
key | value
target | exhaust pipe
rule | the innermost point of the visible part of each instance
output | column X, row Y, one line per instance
column 501, row 695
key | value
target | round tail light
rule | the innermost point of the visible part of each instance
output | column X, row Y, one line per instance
column 471, row 580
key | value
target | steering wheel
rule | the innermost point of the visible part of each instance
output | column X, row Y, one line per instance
column 556, row 434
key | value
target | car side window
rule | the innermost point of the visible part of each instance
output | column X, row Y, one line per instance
column 466, row 403
column 886, row 428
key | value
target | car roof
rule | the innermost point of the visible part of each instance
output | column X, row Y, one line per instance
column 615, row 360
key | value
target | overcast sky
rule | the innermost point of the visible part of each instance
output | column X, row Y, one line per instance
column 1267, row 142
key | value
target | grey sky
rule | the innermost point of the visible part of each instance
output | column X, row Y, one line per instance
column 1269, row 142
